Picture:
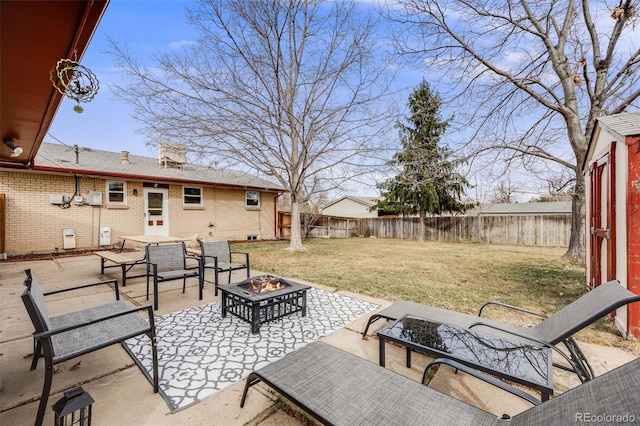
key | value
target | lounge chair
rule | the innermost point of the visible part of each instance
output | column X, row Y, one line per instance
column 552, row 330
column 339, row 388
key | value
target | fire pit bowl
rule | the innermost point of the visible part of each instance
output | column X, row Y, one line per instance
column 263, row 298
column 264, row 284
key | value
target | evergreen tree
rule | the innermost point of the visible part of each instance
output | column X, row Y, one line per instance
column 427, row 182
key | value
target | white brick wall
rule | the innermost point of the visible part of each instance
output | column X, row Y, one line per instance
column 33, row 224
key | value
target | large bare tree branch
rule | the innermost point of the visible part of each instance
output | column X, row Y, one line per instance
column 533, row 75
column 290, row 90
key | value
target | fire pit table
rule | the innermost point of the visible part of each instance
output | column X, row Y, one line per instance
column 264, row 298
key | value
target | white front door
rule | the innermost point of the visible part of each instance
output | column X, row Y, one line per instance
column 156, row 211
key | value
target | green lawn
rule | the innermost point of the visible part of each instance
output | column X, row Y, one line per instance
column 458, row 276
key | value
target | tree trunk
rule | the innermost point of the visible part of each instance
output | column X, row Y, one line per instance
column 421, row 227
column 576, row 251
column 296, row 236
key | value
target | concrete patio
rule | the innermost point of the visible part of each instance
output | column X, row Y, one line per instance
column 124, row 396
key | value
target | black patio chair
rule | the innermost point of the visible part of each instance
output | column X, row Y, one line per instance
column 551, row 331
column 63, row 337
column 167, row 262
column 217, row 255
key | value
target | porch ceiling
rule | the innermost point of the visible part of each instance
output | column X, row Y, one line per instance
column 34, row 35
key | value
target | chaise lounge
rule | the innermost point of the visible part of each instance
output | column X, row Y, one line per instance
column 339, row 388
column 552, row 330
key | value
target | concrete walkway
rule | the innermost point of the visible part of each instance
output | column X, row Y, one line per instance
column 124, row 396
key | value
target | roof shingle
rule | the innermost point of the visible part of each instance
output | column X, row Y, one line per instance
column 90, row 161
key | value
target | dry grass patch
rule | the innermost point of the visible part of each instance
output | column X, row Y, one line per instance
column 457, row 276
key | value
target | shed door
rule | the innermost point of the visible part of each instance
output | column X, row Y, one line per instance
column 156, row 211
column 602, row 219
column 632, row 313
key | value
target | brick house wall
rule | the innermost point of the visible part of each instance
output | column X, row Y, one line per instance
column 34, row 225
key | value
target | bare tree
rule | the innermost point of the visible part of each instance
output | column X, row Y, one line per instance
column 529, row 76
column 504, row 193
column 290, row 90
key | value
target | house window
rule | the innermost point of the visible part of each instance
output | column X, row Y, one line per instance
column 191, row 196
column 253, row 199
column 116, row 191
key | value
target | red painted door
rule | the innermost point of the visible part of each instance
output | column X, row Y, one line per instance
column 602, row 219
column 633, row 234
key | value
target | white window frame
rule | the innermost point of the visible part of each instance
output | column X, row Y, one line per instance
column 123, row 192
column 185, row 204
column 246, row 199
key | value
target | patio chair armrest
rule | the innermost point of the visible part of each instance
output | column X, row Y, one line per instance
column 204, row 258
column 107, row 282
column 53, row 332
column 194, row 257
column 513, row 333
column 244, row 253
column 515, row 308
column 488, row 379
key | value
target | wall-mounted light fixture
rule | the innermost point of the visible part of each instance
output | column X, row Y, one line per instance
column 135, row 192
column 15, row 151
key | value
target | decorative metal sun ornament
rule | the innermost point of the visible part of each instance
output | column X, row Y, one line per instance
column 75, row 81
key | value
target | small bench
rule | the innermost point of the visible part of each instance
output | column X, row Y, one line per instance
column 63, row 337
column 124, row 262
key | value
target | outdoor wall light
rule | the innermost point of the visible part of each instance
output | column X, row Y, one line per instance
column 15, row 151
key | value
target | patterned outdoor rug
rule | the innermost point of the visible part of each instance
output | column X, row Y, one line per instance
column 200, row 353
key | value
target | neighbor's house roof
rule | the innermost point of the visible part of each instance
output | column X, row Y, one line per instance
column 92, row 162
column 624, row 125
column 553, row 207
column 366, row 201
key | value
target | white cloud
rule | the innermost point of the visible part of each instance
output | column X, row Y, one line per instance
column 181, row 43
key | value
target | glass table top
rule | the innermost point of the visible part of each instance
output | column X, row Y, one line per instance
column 528, row 363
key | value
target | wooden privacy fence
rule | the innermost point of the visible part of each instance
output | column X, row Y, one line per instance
column 318, row 226
column 530, row 230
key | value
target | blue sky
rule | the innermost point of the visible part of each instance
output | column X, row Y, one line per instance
column 146, row 27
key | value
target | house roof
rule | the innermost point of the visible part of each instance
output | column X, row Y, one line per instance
column 55, row 158
column 367, row 201
column 553, row 207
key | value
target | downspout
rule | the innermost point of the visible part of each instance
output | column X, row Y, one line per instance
column 77, row 186
column 275, row 215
